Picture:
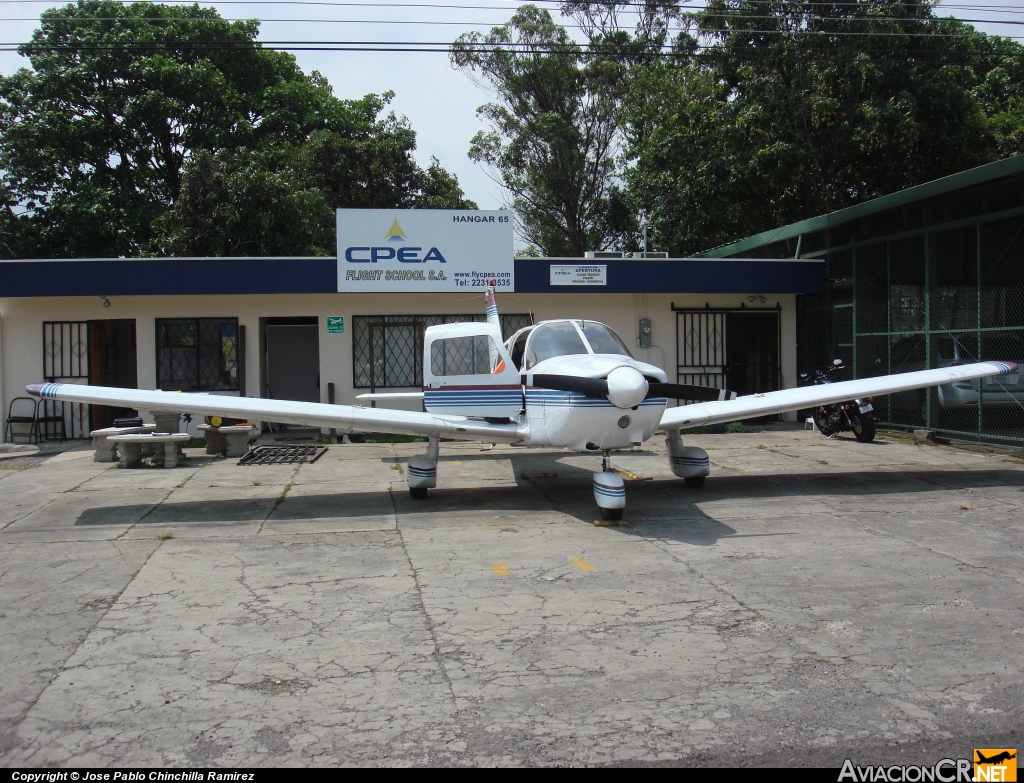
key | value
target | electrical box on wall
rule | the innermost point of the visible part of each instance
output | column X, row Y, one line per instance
column 645, row 333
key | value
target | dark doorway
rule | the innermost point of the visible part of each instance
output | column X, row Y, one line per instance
column 752, row 351
column 112, row 362
column 292, row 359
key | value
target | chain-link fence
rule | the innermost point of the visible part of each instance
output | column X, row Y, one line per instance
column 387, row 350
column 946, row 293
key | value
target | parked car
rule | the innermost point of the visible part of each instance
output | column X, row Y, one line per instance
column 908, row 355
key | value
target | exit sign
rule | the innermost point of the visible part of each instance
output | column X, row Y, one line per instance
column 336, row 324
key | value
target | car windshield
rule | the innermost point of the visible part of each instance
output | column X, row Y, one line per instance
column 554, row 339
column 602, row 339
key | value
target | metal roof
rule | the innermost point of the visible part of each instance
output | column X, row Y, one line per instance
column 937, row 187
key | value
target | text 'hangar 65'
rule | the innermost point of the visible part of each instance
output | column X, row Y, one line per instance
column 567, row 383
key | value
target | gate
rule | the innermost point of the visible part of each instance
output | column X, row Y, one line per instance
column 738, row 350
column 66, row 360
column 700, row 348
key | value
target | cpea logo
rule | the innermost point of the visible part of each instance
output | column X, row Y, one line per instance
column 404, row 255
column 395, row 234
column 995, row 764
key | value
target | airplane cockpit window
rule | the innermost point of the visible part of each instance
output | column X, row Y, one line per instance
column 519, row 348
column 602, row 339
column 469, row 355
column 553, row 339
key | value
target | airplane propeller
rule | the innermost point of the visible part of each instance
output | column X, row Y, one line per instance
column 686, row 391
column 628, row 388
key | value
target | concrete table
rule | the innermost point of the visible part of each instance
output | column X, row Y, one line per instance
column 104, row 448
column 230, row 441
column 131, row 447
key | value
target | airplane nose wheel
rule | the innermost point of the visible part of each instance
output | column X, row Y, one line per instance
column 609, row 491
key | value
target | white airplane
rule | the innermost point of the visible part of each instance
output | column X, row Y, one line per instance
column 569, row 383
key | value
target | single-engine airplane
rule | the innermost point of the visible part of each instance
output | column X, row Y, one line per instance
column 569, row 383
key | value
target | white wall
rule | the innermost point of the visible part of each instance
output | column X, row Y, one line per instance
column 3, row 394
column 21, row 320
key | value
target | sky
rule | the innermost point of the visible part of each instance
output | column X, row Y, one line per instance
column 439, row 101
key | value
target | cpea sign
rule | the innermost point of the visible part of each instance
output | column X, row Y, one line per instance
column 421, row 250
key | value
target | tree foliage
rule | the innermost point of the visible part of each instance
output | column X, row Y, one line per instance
column 734, row 119
column 551, row 142
column 796, row 109
column 147, row 128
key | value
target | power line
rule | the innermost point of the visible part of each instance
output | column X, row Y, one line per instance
column 903, row 56
column 700, row 30
column 557, row 3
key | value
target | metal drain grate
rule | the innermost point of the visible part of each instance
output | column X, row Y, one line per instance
column 282, row 455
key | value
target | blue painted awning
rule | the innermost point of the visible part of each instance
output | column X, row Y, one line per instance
column 679, row 276
column 318, row 275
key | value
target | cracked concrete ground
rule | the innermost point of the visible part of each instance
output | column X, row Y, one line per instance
column 817, row 599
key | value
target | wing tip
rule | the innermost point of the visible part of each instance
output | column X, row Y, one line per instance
column 35, row 389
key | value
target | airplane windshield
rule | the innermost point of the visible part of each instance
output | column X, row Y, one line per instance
column 602, row 339
column 554, row 339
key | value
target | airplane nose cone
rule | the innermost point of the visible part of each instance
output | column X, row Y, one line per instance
column 626, row 387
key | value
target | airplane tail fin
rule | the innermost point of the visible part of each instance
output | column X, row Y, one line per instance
column 492, row 318
column 492, row 305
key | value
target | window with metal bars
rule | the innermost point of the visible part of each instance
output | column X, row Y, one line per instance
column 197, row 354
column 387, row 350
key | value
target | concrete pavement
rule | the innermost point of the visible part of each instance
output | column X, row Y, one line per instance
column 816, row 599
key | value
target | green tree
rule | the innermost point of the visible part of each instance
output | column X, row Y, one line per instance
column 553, row 132
column 279, row 199
column 796, row 109
column 128, row 106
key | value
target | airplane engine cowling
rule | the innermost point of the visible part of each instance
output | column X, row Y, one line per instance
column 686, row 461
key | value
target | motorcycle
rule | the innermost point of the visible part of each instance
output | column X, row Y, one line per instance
column 856, row 416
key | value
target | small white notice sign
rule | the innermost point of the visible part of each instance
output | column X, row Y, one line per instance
column 579, row 274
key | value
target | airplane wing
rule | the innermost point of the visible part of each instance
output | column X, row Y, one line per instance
column 769, row 403
column 311, row 414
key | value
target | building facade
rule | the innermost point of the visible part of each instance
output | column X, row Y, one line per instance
column 276, row 327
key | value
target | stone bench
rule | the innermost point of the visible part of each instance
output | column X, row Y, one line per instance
column 230, row 441
column 104, row 448
column 131, row 446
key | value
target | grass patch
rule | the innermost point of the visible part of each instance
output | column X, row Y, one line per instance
column 194, row 443
column 165, row 537
column 732, row 428
column 256, row 483
column 966, row 507
column 381, row 437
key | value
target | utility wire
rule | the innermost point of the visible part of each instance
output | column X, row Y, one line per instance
column 557, row 3
column 902, row 56
column 175, row 19
column 695, row 31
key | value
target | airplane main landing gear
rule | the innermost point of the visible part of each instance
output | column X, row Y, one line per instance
column 689, row 463
column 422, row 471
column 609, row 491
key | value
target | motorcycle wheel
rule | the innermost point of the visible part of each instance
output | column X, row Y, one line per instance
column 864, row 429
column 821, row 421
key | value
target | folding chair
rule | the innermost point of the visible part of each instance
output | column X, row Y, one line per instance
column 50, row 420
column 22, row 410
